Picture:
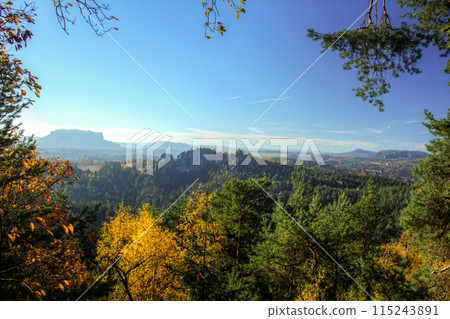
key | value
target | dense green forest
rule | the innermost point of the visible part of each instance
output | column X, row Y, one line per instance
column 231, row 241
column 115, row 183
column 249, row 233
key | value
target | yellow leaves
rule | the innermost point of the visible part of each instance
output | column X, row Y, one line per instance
column 55, row 3
column 48, row 231
column 66, row 282
column 237, row 15
column 41, row 220
column 66, row 230
column 32, row 226
column 199, row 230
column 24, row 92
column 61, row 287
column 152, row 256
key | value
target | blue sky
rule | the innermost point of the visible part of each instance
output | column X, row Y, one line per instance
column 224, row 83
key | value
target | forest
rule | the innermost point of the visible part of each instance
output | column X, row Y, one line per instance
column 304, row 233
column 255, row 233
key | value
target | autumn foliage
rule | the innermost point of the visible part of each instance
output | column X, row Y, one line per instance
column 39, row 258
column 144, row 257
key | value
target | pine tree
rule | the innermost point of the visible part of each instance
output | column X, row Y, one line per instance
column 427, row 216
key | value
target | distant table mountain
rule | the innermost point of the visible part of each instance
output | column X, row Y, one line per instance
column 75, row 139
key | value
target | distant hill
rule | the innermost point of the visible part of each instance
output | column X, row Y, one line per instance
column 381, row 155
column 78, row 145
column 357, row 153
column 394, row 154
column 75, row 139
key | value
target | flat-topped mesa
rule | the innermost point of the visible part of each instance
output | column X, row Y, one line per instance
column 75, row 139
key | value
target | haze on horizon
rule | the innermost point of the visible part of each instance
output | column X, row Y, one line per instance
column 225, row 83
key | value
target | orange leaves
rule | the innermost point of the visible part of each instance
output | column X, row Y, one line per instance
column 29, row 192
column 14, row 35
column 61, row 287
column 70, row 227
column 11, row 238
column 26, row 164
column 38, row 295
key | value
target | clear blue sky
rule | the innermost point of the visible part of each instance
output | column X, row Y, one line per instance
column 225, row 83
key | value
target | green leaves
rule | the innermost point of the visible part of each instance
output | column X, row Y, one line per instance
column 379, row 50
column 376, row 52
column 428, row 213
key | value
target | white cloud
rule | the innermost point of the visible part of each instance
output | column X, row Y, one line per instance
column 374, row 131
column 254, row 129
column 342, row 132
column 186, row 137
column 269, row 100
column 35, row 123
column 411, row 122
column 413, row 146
column 352, row 143
column 234, row 97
